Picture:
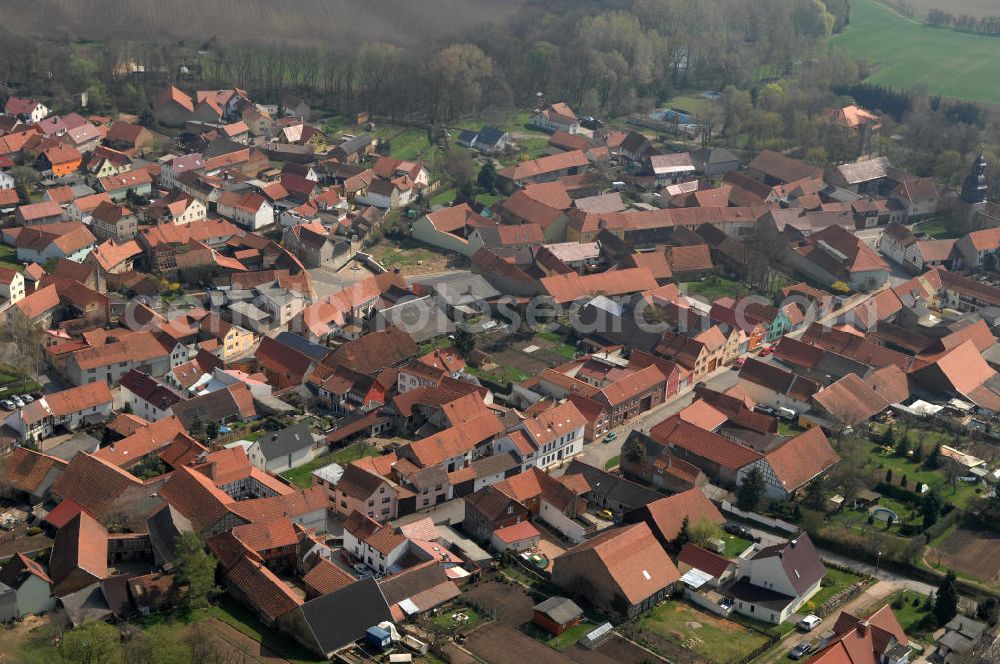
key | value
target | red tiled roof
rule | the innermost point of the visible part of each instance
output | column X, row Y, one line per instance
column 93, row 483
column 326, row 578
column 705, row 444
column 702, row 559
column 261, row 536
column 632, row 557
column 571, row 287
column 668, row 513
column 269, row 595
column 802, row 458
column 520, row 531
column 26, row 469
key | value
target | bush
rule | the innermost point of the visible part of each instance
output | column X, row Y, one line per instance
column 34, row 530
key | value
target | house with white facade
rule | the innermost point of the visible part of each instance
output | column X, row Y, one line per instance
column 283, row 450
column 547, row 438
column 773, row 582
column 377, row 546
column 247, row 209
column 149, row 398
column 556, row 117
column 11, row 287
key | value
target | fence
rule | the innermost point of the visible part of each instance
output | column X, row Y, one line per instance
column 768, row 522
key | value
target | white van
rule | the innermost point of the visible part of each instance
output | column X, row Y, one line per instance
column 809, row 623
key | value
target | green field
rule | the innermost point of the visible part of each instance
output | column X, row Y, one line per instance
column 907, row 53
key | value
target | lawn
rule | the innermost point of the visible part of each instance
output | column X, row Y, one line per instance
column 907, row 53
column 302, row 476
column 789, row 428
column 444, row 197
column 910, row 613
column 613, row 462
column 834, row 581
column 561, row 642
column 935, row 228
column 446, row 621
column 717, row 640
column 712, row 288
column 961, row 494
column 443, row 342
column 407, row 142
column 8, row 257
column 13, row 382
column 501, row 374
column 560, row 346
column 734, row 545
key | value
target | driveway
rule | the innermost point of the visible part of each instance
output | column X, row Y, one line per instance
column 598, row 453
column 879, row 591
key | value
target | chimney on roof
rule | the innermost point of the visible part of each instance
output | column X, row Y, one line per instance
column 862, row 627
column 791, row 544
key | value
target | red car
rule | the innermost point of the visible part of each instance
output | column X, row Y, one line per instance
column 766, row 350
column 738, row 364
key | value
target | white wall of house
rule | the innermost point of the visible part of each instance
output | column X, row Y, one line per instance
column 143, row 408
column 551, row 515
column 369, row 556
column 279, row 464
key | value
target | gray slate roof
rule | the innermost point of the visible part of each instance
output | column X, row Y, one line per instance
column 341, row 617
column 285, row 442
column 559, row 609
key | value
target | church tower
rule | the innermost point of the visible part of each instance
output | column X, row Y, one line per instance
column 975, row 187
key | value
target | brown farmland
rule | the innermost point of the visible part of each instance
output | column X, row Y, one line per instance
column 299, row 22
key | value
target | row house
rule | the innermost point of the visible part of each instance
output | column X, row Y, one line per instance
column 107, row 363
column 633, row 395
column 69, row 408
column 364, row 488
column 114, row 222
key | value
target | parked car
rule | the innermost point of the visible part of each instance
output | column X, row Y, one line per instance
column 786, row 413
column 7, row 404
column 27, row 398
column 809, row 623
column 801, row 650
column 607, row 515
column 738, row 364
column 18, row 402
column 609, row 436
column 762, row 408
column 766, row 350
column 740, row 531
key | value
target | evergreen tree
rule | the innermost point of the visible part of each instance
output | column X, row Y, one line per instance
column 751, row 492
column 946, row 602
column 930, row 508
column 465, row 341
column 684, row 536
column 933, row 459
column 888, row 476
column 487, row 178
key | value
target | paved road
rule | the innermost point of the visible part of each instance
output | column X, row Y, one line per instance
column 598, row 453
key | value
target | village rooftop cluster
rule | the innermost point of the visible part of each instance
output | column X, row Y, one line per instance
column 209, row 346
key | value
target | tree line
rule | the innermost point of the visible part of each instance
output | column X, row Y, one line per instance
column 603, row 58
column 984, row 25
